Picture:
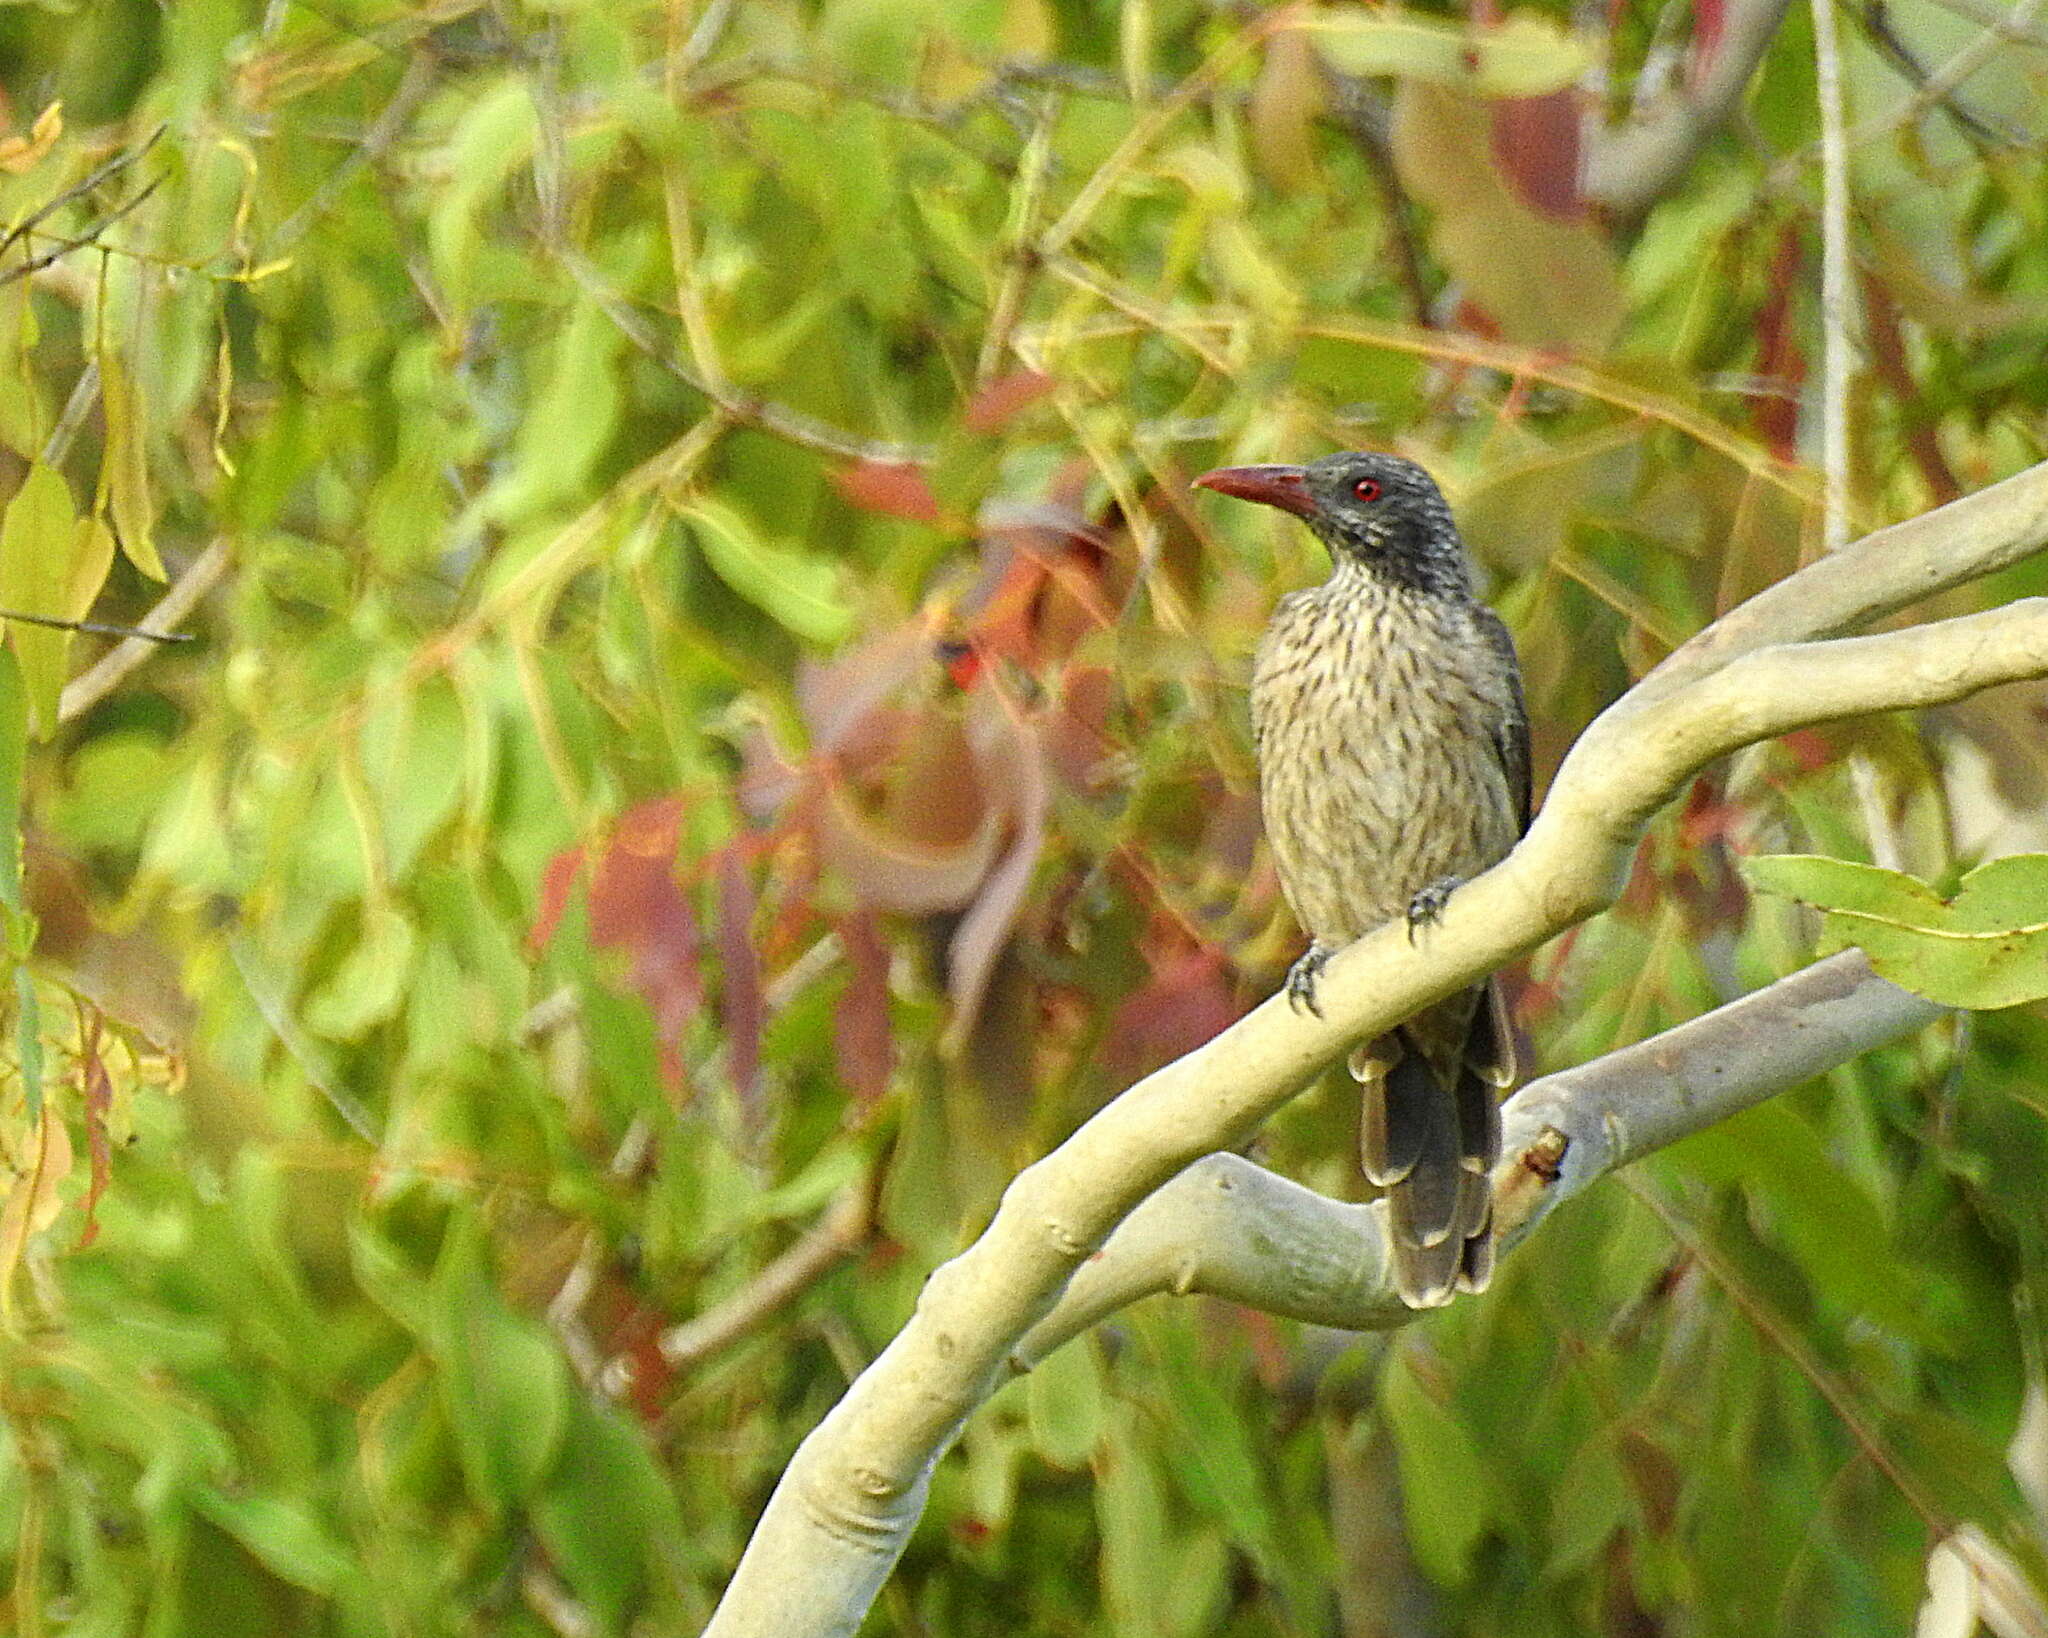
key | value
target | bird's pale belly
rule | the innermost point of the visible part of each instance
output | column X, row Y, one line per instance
column 1377, row 782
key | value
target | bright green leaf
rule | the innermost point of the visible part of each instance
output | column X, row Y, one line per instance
column 799, row 590
column 1984, row 948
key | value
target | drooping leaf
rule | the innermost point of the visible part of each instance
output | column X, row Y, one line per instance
column 1444, row 1484
column 797, row 589
column 504, row 1387
column 123, row 494
column 1544, row 281
column 39, row 547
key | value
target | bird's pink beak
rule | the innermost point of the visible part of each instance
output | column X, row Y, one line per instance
column 1283, row 486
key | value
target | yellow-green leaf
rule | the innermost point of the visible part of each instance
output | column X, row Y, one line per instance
column 39, row 541
column 1524, row 56
column 123, row 491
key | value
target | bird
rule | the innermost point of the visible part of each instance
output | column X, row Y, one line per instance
column 1393, row 754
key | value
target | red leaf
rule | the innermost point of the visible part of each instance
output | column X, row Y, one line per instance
column 1187, row 1001
column 1536, row 146
column 1779, row 360
column 1009, row 755
column 861, row 1038
column 999, row 402
column 894, row 489
column 555, row 884
column 740, row 1002
column 637, row 908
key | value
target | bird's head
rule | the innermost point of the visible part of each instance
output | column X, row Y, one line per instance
column 1379, row 511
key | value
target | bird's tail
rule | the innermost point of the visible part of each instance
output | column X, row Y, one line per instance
column 1432, row 1146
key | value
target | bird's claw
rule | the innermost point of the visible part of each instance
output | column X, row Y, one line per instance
column 1428, row 905
column 1302, row 976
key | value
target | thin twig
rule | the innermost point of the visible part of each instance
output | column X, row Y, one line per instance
column 85, row 393
column 376, row 141
column 837, row 1235
column 87, row 689
column 78, row 190
column 1876, row 19
column 1999, row 21
column 65, row 246
column 1946, row 78
column 1365, row 120
column 740, row 408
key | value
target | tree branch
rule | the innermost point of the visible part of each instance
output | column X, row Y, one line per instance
column 856, row 1486
column 1228, row 1228
column 1631, row 166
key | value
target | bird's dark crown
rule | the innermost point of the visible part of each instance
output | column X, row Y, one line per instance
column 1388, row 515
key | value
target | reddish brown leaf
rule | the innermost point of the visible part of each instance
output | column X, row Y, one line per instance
column 556, row 883
column 998, row 402
column 894, row 489
column 862, row 1040
column 1779, row 360
column 1012, row 761
column 1536, row 146
column 639, row 911
column 740, row 1002
column 1186, row 1002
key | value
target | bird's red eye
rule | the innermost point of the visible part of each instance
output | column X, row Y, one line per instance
column 1367, row 489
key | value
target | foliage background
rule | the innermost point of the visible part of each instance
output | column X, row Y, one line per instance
column 723, row 731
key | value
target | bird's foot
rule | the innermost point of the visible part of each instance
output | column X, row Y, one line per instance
column 1302, row 976
column 1428, row 905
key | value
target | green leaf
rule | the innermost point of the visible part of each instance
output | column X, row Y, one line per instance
column 370, row 982
column 1063, row 1398
column 604, row 1511
column 799, row 590
column 13, row 756
column 38, row 550
column 503, row 1384
column 1524, row 56
column 284, row 1535
column 1443, row 1482
column 1984, row 948
column 123, row 491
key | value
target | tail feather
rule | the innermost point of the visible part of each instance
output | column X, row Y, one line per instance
column 1399, row 1110
column 1433, row 1147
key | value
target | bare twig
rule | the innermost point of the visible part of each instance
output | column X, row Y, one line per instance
column 1999, row 21
column 87, row 689
column 64, row 246
column 837, row 1235
column 1365, row 120
column 740, row 408
column 1944, row 80
column 421, row 67
column 78, row 190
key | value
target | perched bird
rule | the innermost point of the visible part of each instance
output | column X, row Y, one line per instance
column 1393, row 763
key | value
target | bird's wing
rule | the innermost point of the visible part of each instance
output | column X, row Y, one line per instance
column 1511, row 732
